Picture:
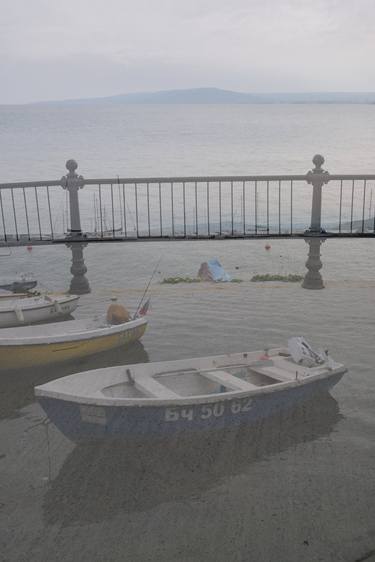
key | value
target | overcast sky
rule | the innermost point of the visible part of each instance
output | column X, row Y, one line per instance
column 58, row 49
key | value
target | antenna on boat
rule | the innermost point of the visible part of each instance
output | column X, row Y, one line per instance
column 146, row 289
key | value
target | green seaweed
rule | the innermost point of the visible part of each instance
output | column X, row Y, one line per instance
column 175, row 280
column 290, row 278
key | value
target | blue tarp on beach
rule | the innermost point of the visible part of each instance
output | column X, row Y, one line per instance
column 212, row 270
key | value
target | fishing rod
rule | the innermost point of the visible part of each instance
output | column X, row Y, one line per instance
column 147, row 287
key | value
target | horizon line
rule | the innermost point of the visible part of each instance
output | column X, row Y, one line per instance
column 213, row 89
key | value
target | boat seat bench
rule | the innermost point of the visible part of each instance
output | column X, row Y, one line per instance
column 228, row 380
column 154, row 389
column 275, row 373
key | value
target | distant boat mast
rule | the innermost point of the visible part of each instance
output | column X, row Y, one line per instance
column 370, row 205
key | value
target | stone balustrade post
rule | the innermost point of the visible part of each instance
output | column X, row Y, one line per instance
column 72, row 182
column 313, row 278
column 317, row 177
column 79, row 284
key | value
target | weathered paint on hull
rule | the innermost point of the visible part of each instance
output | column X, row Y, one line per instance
column 22, row 356
column 80, row 422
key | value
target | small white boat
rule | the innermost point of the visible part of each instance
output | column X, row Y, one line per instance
column 190, row 394
column 18, row 284
column 30, row 310
column 6, row 294
column 45, row 344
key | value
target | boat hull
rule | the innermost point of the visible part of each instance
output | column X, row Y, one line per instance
column 45, row 312
column 85, row 421
column 19, row 286
column 24, row 356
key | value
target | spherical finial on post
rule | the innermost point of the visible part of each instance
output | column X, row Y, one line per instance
column 318, row 160
column 71, row 165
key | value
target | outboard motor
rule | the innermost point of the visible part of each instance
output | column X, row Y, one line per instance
column 303, row 354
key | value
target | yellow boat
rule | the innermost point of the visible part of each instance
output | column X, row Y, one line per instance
column 30, row 346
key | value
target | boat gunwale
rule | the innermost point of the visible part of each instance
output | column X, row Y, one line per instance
column 65, row 338
column 60, row 300
column 95, row 400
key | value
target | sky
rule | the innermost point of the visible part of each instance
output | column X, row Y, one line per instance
column 66, row 49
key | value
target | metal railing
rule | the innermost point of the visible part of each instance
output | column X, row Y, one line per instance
column 187, row 207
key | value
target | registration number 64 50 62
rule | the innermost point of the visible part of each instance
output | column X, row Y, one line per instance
column 207, row 411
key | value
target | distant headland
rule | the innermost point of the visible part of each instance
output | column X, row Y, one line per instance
column 220, row 96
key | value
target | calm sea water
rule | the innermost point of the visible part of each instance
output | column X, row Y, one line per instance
column 112, row 139
column 297, row 488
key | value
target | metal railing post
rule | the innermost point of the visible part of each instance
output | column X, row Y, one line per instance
column 317, row 177
column 72, row 182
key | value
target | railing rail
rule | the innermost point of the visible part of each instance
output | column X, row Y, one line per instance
column 187, row 207
column 184, row 179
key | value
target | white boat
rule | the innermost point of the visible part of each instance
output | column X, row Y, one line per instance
column 6, row 294
column 18, row 284
column 30, row 310
column 45, row 344
column 190, row 394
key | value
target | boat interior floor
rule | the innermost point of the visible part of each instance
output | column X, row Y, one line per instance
column 197, row 382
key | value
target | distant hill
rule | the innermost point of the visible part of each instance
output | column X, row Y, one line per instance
column 218, row 96
column 356, row 225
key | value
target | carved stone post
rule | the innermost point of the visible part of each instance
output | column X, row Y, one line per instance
column 79, row 284
column 317, row 177
column 73, row 182
column 313, row 278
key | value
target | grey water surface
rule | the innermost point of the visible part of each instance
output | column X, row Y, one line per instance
column 110, row 139
column 299, row 487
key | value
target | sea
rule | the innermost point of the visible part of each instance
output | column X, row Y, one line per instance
column 298, row 487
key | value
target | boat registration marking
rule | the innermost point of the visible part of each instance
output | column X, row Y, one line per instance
column 92, row 414
column 208, row 411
